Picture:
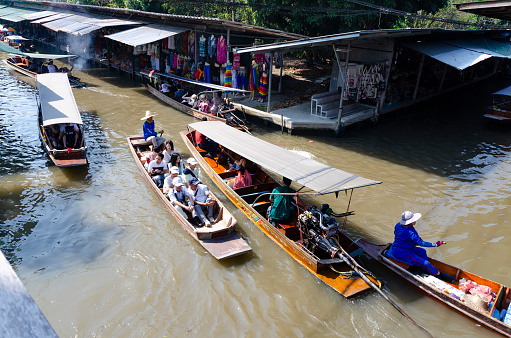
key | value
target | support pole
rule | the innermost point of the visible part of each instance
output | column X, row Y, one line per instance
column 228, row 43
column 133, row 63
column 280, row 76
column 416, row 90
column 196, row 42
column 338, row 128
column 268, row 108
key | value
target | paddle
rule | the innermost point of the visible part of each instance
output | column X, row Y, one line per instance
column 354, row 265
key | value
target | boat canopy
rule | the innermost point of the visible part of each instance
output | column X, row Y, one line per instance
column 504, row 92
column 15, row 37
column 8, row 49
column 305, row 171
column 58, row 104
column 205, row 84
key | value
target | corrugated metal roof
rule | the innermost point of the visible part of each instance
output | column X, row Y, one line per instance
column 52, row 17
column 56, row 25
column 459, row 58
column 146, row 34
column 38, row 15
column 481, row 45
column 14, row 14
column 305, row 171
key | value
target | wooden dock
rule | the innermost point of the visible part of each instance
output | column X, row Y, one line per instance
column 19, row 314
column 299, row 118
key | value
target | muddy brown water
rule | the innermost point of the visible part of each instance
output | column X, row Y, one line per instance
column 102, row 257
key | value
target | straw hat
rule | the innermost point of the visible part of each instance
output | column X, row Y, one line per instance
column 409, row 217
column 478, row 302
column 148, row 114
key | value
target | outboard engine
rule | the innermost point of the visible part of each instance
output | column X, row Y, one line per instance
column 318, row 228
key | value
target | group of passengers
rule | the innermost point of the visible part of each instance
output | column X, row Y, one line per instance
column 63, row 136
column 196, row 198
column 168, row 173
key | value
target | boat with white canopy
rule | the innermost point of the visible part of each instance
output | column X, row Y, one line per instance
column 500, row 110
column 60, row 124
column 313, row 237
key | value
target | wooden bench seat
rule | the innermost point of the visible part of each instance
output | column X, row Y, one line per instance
column 253, row 190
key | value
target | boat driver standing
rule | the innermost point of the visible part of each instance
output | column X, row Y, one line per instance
column 405, row 247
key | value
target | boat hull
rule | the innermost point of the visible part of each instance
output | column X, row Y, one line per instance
column 375, row 251
column 346, row 287
column 221, row 243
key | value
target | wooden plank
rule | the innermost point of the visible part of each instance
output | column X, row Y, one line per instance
column 19, row 314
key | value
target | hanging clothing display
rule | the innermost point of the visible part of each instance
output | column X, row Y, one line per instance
column 176, row 63
column 242, row 75
column 184, row 42
column 222, row 75
column 215, row 74
column 254, row 78
column 279, row 59
column 234, row 78
column 202, row 46
column 212, row 46
column 267, row 60
column 191, row 43
column 236, row 61
column 221, row 50
column 207, row 72
column 228, row 76
column 259, row 58
column 263, row 87
column 171, row 42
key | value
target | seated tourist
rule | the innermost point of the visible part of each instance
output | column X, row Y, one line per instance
column 191, row 169
column 203, row 200
column 167, row 183
column 192, row 101
column 281, row 210
column 157, row 169
column 180, row 197
column 405, row 246
column 54, row 136
column 180, row 92
column 169, row 150
column 151, row 157
column 243, row 178
column 70, row 133
column 204, row 104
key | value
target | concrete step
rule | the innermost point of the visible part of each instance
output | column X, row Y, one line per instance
column 330, row 105
column 327, row 99
column 320, row 95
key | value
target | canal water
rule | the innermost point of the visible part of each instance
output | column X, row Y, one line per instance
column 101, row 256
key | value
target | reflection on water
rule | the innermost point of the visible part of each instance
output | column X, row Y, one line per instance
column 102, row 256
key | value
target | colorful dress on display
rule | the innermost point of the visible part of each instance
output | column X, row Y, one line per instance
column 236, row 61
column 228, row 76
column 234, row 78
column 263, row 86
column 191, row 43
column 254, row 79
column 212, row 46
column 221, row 50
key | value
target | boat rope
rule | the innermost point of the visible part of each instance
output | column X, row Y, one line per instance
column 347, row 211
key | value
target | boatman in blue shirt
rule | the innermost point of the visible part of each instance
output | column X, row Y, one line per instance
column 149, row 134
column 406, row 246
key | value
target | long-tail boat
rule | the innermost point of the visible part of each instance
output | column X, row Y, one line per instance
column 500, row 110
column 449, row 293
column 57, row 107
column 317, row 248
column 220, row 240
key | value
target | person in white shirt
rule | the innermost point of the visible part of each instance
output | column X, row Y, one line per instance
column 203, row 200
column 180, row 197
column 167, row 184
column 51, row 67
column 169, row 150
column 157, row 169
column 191, row 170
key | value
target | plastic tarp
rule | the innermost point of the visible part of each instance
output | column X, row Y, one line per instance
column 504, row 92
column 205, row 84
column 58, row 104
column 305, row 171
column 459, row 58
column 145, row 34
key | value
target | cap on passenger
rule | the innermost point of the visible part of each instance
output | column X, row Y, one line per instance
column 174, row 170
column 191, row 161
column 193, row 181
column 176, row 182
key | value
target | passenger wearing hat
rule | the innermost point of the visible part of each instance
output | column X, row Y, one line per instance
column 405, row 247
column 149, row 134
column 191, row 169
column 203, row 200
column 180, row 197
column 167, row 184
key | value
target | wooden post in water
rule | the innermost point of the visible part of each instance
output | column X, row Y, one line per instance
column 19, row 314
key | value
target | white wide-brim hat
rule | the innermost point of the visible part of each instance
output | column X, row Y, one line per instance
column 409, row 217
column 148, row 114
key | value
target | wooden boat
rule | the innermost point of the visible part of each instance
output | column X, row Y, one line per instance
column 21, row 64
column 57, row 106
column 253, row 200
column 500, row 110
column 220, row 240
column 503, row 292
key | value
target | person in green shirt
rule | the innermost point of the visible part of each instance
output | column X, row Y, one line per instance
column 281, row 209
